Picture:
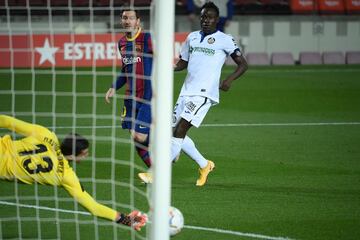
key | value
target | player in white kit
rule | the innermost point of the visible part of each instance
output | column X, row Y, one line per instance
column 203, row 54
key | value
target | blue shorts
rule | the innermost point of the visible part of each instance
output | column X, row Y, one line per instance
column 142, row 119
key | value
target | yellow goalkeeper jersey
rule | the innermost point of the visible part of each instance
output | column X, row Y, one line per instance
column 38, row 158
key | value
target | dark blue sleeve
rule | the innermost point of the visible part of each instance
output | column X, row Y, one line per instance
column 119, row 83
column 147, row 43
column 190, row 6
column 230, row 8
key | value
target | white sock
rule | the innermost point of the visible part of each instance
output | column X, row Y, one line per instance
column 190, row 149
column 175, row 147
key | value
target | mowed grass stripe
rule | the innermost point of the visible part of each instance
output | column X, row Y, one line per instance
column 250, row 235
column 295, row 180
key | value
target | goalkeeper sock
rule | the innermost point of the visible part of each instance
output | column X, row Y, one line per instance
column 175, row 147
column 188, row 146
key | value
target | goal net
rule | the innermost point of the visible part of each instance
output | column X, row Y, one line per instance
column 58, row 59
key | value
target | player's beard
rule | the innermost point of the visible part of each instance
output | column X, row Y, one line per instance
column 208, row 28
column 132, row 31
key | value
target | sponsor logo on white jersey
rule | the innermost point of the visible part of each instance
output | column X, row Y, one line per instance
column 191, row 106
column 206, row 51
column 211, row 40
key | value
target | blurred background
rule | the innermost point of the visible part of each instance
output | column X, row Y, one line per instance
column 270, row 32
column 285, row 139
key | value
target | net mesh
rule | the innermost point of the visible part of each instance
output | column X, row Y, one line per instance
column 58, row 60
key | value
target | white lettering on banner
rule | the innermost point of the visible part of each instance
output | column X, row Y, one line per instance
column 88, row 50
column 72, row 52
column 67, row 51
column 101, row 51
column 78, row 52
column 305, row 3
column 112, row 51
column 356, row 3
column 331, row 3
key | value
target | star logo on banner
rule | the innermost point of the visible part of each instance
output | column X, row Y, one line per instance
column 47, row 52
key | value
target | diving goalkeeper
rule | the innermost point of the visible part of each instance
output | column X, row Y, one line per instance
column 40, row 158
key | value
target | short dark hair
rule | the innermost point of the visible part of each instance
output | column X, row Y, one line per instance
column 211, row 5
column 137, row 12
column 73, row 144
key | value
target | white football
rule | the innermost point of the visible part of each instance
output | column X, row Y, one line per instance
column 176, row 221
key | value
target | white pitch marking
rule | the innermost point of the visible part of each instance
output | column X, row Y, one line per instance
column 277, row 124
column 237, row 125
column 250, row 235
column 227, row 70
column 294, row 70
column 43, row 208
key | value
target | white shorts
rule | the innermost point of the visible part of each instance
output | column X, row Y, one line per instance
column 191, row 108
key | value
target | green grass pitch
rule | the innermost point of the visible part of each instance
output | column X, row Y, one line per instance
column 285, row 141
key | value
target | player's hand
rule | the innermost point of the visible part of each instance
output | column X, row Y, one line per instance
column 139, row 219
column 135, row 219
column 225, row 85
column 110, row 93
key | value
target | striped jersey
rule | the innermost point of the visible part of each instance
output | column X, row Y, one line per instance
column 136, row 57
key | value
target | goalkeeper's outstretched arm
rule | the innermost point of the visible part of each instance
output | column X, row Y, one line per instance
column 72, row 184
column 24, row 128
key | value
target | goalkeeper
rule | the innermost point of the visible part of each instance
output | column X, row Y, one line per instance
column 40, row 158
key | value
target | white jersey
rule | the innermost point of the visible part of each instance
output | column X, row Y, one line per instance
column 205, row 57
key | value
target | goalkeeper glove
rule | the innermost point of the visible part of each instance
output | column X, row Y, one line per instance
column 135, row 220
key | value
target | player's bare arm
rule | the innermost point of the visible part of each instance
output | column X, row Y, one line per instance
column 109, row 94
column 240, row 69
column 180, row 65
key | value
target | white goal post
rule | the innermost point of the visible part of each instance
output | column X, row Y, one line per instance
column 162, row 99
column 52, row 88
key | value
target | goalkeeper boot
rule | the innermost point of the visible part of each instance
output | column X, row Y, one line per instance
column 204, row 172
column 146, row 177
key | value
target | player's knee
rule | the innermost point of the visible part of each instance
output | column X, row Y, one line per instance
column 139, row 137
column 181, row 128
column 179, row 133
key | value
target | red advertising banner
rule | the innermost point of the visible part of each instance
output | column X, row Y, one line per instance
column 302, row 6
column 331, row 6
column 64, row 50
column 352, row 6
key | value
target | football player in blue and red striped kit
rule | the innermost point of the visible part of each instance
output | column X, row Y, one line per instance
column 136, row 54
